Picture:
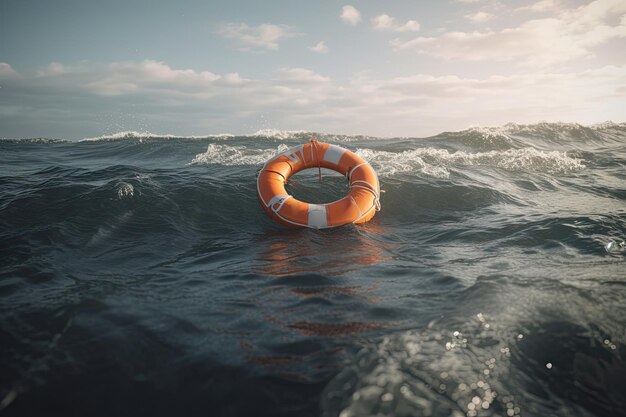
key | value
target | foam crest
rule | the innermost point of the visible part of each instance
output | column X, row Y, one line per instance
column 132, row 134
column 390, row 163
column 436, row 162
column 280, row 134
column 431, row 162
column 236, row 155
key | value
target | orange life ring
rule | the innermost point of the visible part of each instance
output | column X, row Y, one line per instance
column 359, row 206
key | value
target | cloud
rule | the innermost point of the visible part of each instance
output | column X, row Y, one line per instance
column 6, row 71
column 350, row 15
column 385, row 22
column 479, row 17
column 302, row 76
column 571, row 35
column 182, row 101
column 54, row 68
column 319, row 47
column 540, row 6
column 264, row 36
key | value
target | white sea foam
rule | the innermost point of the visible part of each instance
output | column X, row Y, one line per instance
column 427, row 161
column 436, row 162
column 236, row 155
column 607, row 125
column 306, row 135
column 276, row 134
column 280, row 134
column 264, row 133
column 132, row 134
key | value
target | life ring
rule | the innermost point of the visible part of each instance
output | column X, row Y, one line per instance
column 359, row 206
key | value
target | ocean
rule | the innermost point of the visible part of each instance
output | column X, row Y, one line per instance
column 139, row 276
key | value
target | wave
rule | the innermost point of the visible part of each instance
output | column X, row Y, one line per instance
column 33, row 140
column 273, row 134
column 515, row 128
column 437, row 162
column 505, row 135
column 235, row 155
column 428, row 161
column 132, row 134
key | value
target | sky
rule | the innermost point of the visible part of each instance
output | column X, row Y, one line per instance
column 82, row 68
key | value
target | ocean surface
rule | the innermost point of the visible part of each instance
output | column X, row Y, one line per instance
column 139, row 276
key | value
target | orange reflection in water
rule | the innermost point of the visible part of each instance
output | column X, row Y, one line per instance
column 314, row 259
column 328, row 252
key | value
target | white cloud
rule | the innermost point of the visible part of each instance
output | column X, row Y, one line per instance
column 54, row 68
column 264, row 36
column 302, row 75
column 231, row 79
column 571, row 35
column 479, row 17
column 299, row 98
column 385, row 22
column 541, row 6
column 319, row 47
column 6, row 71
column 350, row 15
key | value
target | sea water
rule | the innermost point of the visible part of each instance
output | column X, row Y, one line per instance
column 140, row 276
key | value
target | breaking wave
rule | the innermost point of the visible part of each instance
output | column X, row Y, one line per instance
column 429, row 161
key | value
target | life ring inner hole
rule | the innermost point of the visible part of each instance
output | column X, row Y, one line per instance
column 306, row 186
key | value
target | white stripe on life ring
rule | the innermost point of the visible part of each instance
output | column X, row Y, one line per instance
column 333, row 154
column 317, row 216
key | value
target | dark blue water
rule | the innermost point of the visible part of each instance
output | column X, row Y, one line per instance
column 140, row 276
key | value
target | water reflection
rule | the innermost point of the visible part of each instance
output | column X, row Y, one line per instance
column 329, row 252
column 316, row 299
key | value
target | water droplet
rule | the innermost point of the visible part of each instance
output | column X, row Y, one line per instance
column 387, row 397
column 125, row 190
column 615, row 247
